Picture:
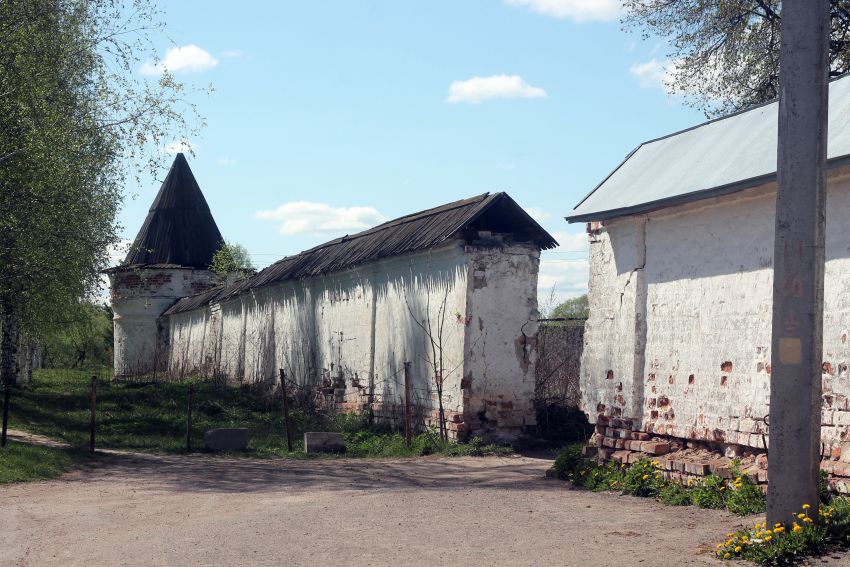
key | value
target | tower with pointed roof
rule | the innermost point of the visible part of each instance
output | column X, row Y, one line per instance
column 169, row 259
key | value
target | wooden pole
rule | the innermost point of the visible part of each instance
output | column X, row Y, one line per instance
column 7, row 391
column 408, row 418
column 286, row 423
column 798, row 260
column 93, row 417
column 189, row 419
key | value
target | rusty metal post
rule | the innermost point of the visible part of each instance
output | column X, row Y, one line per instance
column 408, row 418
column 93, row 420
column 189, row 419
column 798, row 260
column 286, row 423
column 7, row 391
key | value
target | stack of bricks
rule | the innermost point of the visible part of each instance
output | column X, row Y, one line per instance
column 689, row 460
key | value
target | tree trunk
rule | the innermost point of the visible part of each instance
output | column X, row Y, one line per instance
column 11, row 340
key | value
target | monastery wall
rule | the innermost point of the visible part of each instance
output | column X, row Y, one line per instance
column 678, row 342
column 348, row 334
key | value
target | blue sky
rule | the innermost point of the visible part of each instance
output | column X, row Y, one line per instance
column 328, row 117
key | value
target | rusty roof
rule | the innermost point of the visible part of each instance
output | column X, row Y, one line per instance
column 179, row 229
column 497, row 213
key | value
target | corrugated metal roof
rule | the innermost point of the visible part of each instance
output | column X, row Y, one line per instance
column 718, row 157
column 179, row 229
column 419, row 231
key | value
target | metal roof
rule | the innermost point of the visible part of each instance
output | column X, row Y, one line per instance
column 179, row 229
column 497, row 213
column 718, row 157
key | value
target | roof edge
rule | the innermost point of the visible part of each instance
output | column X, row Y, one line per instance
column 693, row 196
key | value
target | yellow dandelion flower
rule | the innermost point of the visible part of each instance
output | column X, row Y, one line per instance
column 768, row 538
column 768, row 532
column 730, row 534
column 726, row 556
column 719, row 545
column 646, row 476
column 806, row 506
column 801, row 516
column 797, row 528
column 738, row 549
column 807, row 520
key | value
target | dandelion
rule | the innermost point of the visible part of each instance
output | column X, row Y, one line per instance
column 646, row 476
column 738, row 549
column 727, row 556
column 807, row 520
column 806, row 506
column 719, row 545
column 801, row 516
column 797, row 528
column 768, row 538
column 730, row 534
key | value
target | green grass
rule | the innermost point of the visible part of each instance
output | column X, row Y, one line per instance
column 152, row 418
column 20, row 462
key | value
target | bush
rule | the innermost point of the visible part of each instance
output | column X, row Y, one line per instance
column 708, row 492
column 744, row 497
column 674, row 494
column 783, row 544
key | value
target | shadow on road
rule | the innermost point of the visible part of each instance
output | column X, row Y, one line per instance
column 219, row 474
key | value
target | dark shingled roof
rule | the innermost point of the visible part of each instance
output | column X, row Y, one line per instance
column 179, row 229
column 497, row 213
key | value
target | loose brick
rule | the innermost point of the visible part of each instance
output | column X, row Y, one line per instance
column 604, row 454
column 609, row 442
column 655, row 447
column 699, row 469
column 621, row 456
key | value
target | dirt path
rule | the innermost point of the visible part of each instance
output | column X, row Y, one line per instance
column 153, row 510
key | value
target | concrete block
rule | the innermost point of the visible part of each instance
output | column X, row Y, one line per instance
column 323, row 442
column 226, row 439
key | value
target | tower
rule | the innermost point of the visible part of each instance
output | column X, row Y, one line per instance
column 169, row 259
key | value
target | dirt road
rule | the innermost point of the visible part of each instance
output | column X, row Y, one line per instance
column 152, row 510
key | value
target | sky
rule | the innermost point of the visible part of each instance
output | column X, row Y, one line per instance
column 330, row 117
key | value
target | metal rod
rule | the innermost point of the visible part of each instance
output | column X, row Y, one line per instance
column 93, row 421
column 189, row 419
column 286, row 423
column 408, row 418
column 7, row 391
column 798, row 260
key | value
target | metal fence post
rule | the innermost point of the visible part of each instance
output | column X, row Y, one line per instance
column 408, row 418
column 286, row 410
column 93, row 423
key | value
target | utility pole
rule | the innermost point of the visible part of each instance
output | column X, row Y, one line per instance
column 798, row 261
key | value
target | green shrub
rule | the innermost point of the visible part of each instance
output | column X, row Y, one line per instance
column 709, row 492
column 674, row 494
column 643, row 479
column 744, row 497
column 783, row 544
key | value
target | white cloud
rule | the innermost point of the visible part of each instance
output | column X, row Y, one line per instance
column 179, row 146
column 479, row 89
column 304, row 217
column 577, row 10
column 226, row 161
column 574, row 242
column 177, row 59
column 654, row 74
column 538, row 214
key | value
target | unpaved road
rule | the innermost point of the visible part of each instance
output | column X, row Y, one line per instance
column 154, row 510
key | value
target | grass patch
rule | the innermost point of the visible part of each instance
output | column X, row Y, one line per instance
column 20, row 462
column 152, row 418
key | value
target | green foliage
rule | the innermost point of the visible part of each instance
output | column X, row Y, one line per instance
column 20, row 462
column 744, row 497
column 152, row 418
column 577, row 307
column 726, row 53
column 784, row 544
column 643, row 479
column 674, row 494
column 76, row 118
column 232, row 258
column 824, row 493
column 83, row 341
column 708, row 492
